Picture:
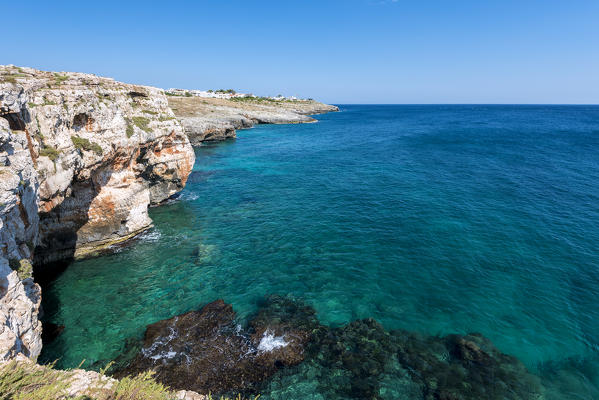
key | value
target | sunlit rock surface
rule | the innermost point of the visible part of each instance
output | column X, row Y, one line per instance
column 207, row 119
column 81, row 160
column 103, row 150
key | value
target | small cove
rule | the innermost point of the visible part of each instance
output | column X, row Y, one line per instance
column 433, row 219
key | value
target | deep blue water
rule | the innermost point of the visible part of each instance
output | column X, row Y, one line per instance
column 436, row 219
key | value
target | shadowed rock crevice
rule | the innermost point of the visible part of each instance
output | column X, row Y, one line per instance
column 15, row 121
column 62, row 223
column 83, row 121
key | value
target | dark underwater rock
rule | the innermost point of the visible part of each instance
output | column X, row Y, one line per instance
column 361, row 351
column 206, row 351
column 468, row 367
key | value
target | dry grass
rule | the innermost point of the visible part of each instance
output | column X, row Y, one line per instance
column 22, row 381
column 203, row 106
column 29, row 381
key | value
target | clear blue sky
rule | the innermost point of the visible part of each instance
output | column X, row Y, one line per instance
column 350, row 51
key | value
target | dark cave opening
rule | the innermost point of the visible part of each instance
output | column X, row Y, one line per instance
column 14, row 121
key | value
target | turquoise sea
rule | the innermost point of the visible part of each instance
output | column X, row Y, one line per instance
column 434, row 219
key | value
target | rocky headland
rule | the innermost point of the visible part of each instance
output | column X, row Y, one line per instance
column 212, row 119
column 81, row 160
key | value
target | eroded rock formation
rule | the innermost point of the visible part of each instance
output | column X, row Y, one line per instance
column 81, row 160
column 20, row 297
column 20, row 329
column 103, row 150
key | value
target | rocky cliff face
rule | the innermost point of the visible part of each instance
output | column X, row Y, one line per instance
column 208, row 119
column 20, row 330
column 103, row 150
column 81, row 160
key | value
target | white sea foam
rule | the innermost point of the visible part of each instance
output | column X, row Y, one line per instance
column 167, row 354
column 152, row 235
column 189, row 196
column 269, row 342
column 151, row 352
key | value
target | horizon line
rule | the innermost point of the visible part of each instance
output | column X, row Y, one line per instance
column 467, row 104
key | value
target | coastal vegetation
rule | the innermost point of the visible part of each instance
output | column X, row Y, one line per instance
column 49, row 152
column 23, row 267
column 29, row 381
column 59, row 79
column 129, row 130
column 84, row 144
column 228, row 91
column 142, row 123
column 262, row 99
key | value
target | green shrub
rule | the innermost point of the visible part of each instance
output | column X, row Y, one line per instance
column 142, row 387
column 45, row 103
column 28, row 381
column 130, row 131
column 142, row 123
column 23, row 267
column 188, row 94
column 21, row 381
column 82, row 143
column 59, row 79
column 11, row 77
column 229, row 91
column 49, row 152
column 150, row 112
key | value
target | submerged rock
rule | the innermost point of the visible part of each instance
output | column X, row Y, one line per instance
column 285, row 345
column 359, row 351
column 457, row 367
column 206, row 351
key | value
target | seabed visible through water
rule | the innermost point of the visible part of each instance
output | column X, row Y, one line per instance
column 435, row 220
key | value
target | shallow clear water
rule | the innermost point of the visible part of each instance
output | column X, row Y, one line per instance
column 437, row 219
